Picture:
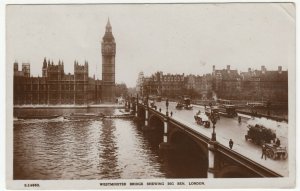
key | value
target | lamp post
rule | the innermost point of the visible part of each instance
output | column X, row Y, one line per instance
column 167, row 105
column 213, row 160
column 213, row 119
column 136, row 105
column 129, row 103
column 147, row 101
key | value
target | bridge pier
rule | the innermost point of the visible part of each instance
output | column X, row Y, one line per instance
column 165, row 144
column 146, row 127
column 212, row 159
column 136, row 106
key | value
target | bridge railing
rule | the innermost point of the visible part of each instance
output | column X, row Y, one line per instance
column 238, row 158
column 246, row 162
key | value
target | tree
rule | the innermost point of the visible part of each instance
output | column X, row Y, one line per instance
column 121, row 90
column 209, row 95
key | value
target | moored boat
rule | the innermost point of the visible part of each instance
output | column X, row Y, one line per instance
column 73, row 116
column 119, row 116
column 38, row 117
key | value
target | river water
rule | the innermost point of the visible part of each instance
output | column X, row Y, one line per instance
column 51, row 149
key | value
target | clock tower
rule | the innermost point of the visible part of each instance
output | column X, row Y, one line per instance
column 108, row 47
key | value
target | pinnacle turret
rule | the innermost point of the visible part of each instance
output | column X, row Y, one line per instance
column 108, row 36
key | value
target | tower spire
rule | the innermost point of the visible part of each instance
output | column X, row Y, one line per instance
column 108, row 26
column 45, row 63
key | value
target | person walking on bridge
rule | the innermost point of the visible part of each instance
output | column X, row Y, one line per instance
column 263, row 150
column 230, row 143
column 239, row 119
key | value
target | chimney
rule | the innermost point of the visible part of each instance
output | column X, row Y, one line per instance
column 16, row 66
column 26, row 69
column 279, row 69
column 214, row 68
column 228, row 68
column 263, row 69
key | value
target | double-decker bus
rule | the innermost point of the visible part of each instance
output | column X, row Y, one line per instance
column 226, row 108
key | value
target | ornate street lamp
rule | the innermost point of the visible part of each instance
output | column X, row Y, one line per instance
column 129, row 104
column 136, row 105
column 213, row 119
column 147, row 101
column 167, row 105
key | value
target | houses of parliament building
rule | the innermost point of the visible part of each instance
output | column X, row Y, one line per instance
column 56, row 87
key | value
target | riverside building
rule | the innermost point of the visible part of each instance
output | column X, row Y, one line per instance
column 55, row 87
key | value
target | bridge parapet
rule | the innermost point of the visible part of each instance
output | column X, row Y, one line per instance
column 249, row 164
column 217, row 153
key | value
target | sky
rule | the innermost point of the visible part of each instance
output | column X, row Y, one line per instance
column 173, row 38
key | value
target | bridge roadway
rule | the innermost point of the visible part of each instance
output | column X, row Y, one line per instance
column 229, row 128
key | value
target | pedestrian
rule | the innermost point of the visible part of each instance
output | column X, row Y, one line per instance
column 263, row 150
column 277, row 142
column 171, row 113
column 159, row 109
column 239, row 119
column 230, row 143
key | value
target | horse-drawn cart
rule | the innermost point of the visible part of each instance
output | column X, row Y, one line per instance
column 276, row 152
column 202, row 119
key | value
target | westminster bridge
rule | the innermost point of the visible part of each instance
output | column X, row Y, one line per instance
column 244, row 160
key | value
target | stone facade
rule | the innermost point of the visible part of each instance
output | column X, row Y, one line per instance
column 199, row 86
column 265, row 85
column 226, row 83
column 56, row 87
column 168, row 85
column 108, row 65
column 253, row 85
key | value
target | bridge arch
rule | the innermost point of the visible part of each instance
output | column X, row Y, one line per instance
column 190, row 155
column 178, row 137
column 156, row 122
column 234, row 171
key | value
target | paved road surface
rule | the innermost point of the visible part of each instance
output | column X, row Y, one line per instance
column 229, row 128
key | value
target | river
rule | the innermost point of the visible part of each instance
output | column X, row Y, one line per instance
column 61, row 149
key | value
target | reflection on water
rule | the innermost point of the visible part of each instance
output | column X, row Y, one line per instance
column 109, row 149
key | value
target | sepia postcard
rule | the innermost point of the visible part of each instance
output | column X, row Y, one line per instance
column 150, row 96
